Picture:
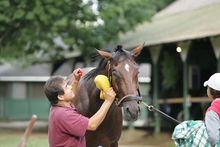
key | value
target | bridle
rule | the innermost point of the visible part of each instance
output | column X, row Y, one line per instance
column 119, row 101
column 139, row 100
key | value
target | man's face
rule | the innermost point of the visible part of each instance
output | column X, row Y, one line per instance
column 68, row 92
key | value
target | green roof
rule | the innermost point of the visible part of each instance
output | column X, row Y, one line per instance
column 187, row 25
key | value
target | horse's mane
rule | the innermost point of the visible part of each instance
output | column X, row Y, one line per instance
column 119, row 51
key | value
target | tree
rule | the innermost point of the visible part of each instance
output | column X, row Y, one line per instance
column 28, row 28
column 160, row 4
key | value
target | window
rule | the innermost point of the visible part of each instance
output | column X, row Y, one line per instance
column 19, row 90
column 38, row 90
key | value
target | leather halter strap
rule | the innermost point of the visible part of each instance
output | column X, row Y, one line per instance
column 129, row 97
column 139, row 99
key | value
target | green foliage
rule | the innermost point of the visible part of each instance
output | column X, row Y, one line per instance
column 28, row 27
column 160, row 4
column 169, row 70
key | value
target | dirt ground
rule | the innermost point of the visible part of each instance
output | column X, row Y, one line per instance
column 142, row 137
column 129, row 137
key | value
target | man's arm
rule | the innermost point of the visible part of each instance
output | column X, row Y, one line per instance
column 74, row 86
column 99, row 116
column 77, row 76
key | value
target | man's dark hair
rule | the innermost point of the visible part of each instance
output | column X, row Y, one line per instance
column 53, row 88
column 215, row 93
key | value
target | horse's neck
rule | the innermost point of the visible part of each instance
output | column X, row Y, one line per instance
column 87, row 99
column 90, row 96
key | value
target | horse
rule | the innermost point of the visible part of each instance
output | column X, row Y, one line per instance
column 122, row 71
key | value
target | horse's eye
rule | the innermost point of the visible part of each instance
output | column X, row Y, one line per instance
column 114, row 73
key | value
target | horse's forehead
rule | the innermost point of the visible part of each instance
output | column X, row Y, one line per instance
column 126, row 66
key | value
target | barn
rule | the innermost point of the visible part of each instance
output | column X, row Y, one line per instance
column 182, row 43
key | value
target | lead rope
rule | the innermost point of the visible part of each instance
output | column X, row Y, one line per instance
column 151, row 108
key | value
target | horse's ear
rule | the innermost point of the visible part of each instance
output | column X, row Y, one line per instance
column 135, row 52
column 106, row 55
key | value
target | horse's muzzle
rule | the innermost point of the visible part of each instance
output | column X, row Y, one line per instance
column 131, row 107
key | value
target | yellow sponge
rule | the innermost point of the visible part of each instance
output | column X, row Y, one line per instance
column 102, row 83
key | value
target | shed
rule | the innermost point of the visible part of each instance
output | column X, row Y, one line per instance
column 21, row 93
column 194, row 27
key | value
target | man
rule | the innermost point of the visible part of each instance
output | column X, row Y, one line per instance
column 66, row 126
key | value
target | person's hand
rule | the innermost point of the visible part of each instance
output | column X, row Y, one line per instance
column 109, row 94
column 77, row 74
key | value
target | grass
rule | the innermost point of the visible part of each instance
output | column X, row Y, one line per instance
column 171, row 145
column 9, row 139
column 3, row 120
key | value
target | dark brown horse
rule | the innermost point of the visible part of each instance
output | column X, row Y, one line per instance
column 121, row 68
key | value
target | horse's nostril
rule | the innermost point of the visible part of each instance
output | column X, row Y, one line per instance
column 128, row 112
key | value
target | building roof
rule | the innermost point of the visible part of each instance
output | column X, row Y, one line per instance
column 179, row 6
column 38, row 72
column 35, row 70
column 182, row 20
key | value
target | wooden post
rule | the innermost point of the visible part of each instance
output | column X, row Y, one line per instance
column 218, row 65
column 185, row 48
column 155, row 98
column 216, row 46
column 30, row 97
column 185, row 91
column 24, row 139
column 155, row 52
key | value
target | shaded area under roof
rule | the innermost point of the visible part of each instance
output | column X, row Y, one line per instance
column 197, row 23
column 63, row 70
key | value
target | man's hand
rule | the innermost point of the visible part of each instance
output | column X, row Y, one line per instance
column 109, row 94
column 77, row 74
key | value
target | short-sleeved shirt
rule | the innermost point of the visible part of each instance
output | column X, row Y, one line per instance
column 67, row 127
column 212, row 121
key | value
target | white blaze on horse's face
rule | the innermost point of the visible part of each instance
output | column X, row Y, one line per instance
column 127, row 67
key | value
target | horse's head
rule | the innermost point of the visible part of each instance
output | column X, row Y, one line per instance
column 123, row 73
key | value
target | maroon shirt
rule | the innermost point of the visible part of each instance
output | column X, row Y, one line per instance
column 67, row 127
